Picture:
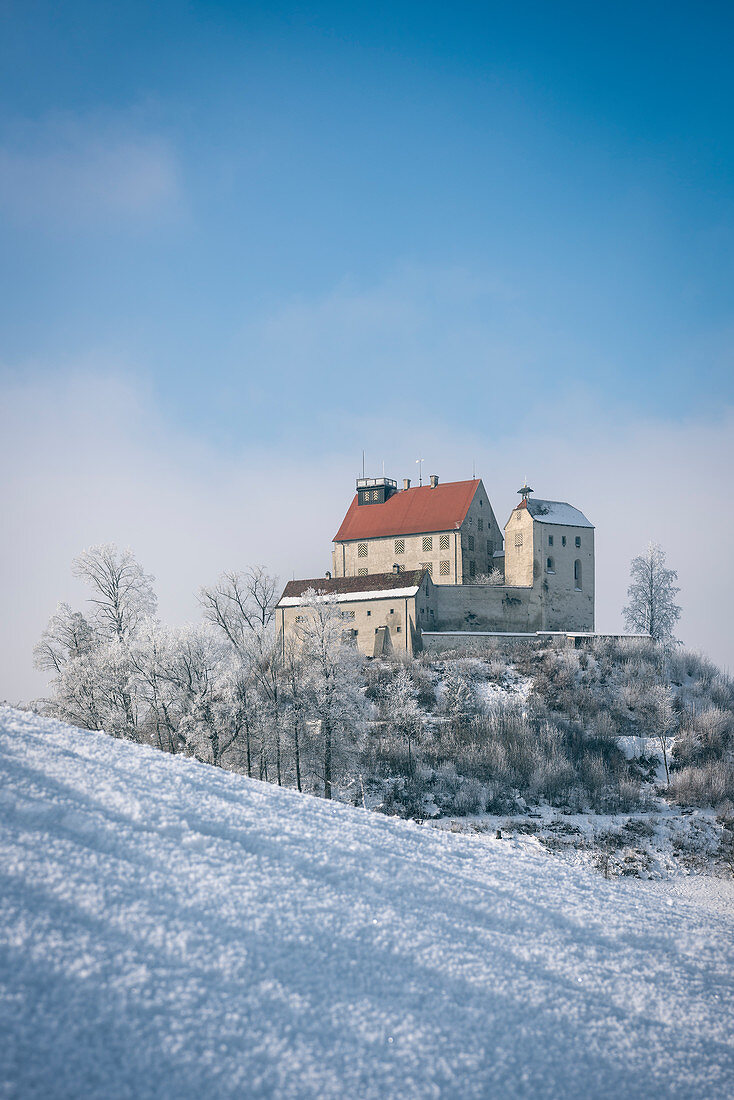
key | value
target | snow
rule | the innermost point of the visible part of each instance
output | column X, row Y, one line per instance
column 168, row 929
column 557, row 511
column 349, row 597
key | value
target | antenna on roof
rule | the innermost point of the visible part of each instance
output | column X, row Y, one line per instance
column 473, row 469
column 419, row 464
column 362, row 463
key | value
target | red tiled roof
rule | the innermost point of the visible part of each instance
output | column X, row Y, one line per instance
column 410, row 512
column 374, row 582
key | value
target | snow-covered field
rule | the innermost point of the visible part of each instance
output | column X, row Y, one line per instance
column 168, row 929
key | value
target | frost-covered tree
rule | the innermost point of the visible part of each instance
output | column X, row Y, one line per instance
column 242, row 608
column 67, row 636
column 401, row 710
column 122, row 593
column 335, row 689
column 459, row 698
column 651, row 606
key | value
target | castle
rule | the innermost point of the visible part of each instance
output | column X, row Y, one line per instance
column 429, row 566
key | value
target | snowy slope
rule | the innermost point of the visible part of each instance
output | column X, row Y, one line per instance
column 172, row 930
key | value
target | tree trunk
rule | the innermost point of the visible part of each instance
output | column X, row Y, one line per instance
column 326, row 732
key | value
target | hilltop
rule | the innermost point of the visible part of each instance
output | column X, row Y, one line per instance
column 170, row 929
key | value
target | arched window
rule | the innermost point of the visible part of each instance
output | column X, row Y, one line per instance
column 577, row 575
column 549, row 565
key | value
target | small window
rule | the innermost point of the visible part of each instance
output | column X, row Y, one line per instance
column 428, row 565
column 444, row 542
column 490, row 548
column 472, row 568
column 399, row 546
column 578, row 542
column 444, row 568
column 368, row 614
column 577, row 575
column 300, row 618
column 549, row 566
column 348, row 615
column 470, row 541
column 550, row 540
column 563, row 540
column 361, row 549
column 518, row 539
column 480, row 525
column 392, row 610
column 361, row 572
column 427, row 543
column 398, row 629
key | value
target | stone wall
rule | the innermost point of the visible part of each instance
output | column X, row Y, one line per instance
column 488, row 607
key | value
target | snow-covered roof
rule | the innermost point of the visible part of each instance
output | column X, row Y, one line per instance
column 349, row 597
column 558, row 512
column 375, row 586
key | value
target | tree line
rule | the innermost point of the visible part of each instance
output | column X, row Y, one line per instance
column 228, row 690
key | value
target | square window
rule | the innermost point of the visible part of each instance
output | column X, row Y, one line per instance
column 427, row 543
column 427, row 565
column 361, row 572
column 399, row 546
column 361, row 549
column 444, row 568
column 398, row 629
column 444, row 542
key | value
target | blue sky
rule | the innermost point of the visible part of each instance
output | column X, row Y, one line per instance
column 569, row 165
column 290, row 232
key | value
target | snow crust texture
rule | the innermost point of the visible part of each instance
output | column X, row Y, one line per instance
column 168, row 929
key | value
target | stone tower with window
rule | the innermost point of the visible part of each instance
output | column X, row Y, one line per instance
column 549, row 545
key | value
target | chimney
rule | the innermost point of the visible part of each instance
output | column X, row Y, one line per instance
column 406, row 482
column 328, row 575
column 396, row 568
column 434, row 480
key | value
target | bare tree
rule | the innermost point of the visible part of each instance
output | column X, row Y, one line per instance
column 651, row 607
column 401, row 710
column 332, row 667
column 242, row 605
column 123, row 594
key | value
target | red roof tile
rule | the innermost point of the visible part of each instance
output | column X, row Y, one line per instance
column 410, row 512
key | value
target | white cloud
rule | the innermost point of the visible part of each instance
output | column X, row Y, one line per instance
column 67, row 172
column 90, row 459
